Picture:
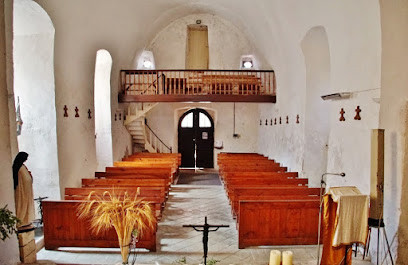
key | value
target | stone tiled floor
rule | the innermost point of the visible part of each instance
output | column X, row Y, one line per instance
column 189, row 204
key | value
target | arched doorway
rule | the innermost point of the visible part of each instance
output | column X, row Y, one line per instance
column 196, row 139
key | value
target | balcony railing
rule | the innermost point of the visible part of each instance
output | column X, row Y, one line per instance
column 197, row 85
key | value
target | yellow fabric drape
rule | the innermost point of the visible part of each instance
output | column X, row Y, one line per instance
column 24, row 197
column 352, row 215
column 331, row 255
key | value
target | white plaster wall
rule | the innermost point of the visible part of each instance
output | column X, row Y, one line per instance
column 164, row 118
column 394, row 120
column 226, row 42
column 354, row 42
column 9, row 249
column 34, row 85
column 103, row 114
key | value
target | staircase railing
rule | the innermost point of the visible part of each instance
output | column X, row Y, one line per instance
column 155, row 141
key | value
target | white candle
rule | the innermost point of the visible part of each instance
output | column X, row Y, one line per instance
column 287, row 257
column 275, row 257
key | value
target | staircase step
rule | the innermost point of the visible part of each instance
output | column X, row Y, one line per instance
column 136, row 132
column 135, row 127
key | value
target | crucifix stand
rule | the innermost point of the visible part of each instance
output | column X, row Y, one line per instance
column 205, row 229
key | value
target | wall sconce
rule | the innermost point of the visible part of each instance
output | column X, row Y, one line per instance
column 341, row 95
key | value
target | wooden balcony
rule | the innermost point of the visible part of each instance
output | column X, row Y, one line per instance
column 197, row 85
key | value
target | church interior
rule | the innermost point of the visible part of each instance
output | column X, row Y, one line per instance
column 211, row 92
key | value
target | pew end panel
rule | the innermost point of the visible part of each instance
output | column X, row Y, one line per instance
column 63, row 228
column 278, row 222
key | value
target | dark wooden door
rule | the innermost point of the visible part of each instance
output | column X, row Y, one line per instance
column 196, row 139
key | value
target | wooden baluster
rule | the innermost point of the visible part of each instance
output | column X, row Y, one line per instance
column 149, row 82
column 266, row 83
column 229, row 81
column 179, row 83
column 172, row 83
column 249, row 83
column 225, row 82
column 196, row 83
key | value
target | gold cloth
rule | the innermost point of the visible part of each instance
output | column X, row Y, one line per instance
column 351, row 216
column 24, row 197
column 345, row 217
column 331, row 255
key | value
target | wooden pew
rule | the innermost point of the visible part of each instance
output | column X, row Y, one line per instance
column 144, row 171
column 126, row 175
column 63, row 228
column 172, row 165
column 278, row 222
column 145, row 164
column 157, row 155
column 269, row 193
column 252, row 168
column 152, row 195
column 261, row 175
column 270, row 205
column 103, row 183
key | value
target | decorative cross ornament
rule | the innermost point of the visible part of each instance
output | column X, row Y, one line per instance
column 275, row 120
column 342, row 115
column 271, row 122
column 287, row 119
column 266, row 121
column 76, row 112
column 358, row 110
column 65, row 111
column 280, row 120
column 297, row 118
column 89, row 114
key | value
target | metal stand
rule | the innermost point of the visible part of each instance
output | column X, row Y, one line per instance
column 205, row 229
column 377, row 223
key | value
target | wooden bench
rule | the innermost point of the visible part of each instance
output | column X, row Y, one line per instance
column 144, row 171
column 63, row 228
column 262, row 175
column 232, row 84
column 112, row 183
column 172, row 165
column 251, row 168
column 127, row 175
column 270, row 205
column 152, row 195
column 269, row 193
column 278, row 222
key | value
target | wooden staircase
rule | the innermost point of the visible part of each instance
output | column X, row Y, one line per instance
column 135, row 124
column 143, row 138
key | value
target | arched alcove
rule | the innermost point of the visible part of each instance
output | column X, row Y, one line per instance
column 34, row 86
column 315, row 47
column 103, row 113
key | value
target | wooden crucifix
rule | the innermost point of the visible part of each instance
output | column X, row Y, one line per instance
column 65, row 111
column 342, row 115
column 76, row 112
column 205, row 229
column 358, row 110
